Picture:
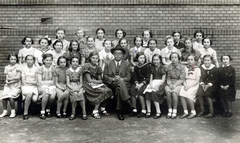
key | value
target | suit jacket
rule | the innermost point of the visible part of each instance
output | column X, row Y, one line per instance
column 110, row 70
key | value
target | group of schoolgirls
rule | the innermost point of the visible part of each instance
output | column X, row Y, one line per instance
column 72, row 72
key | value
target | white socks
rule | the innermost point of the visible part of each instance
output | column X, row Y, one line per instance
column 193, row 112
column 4, row 113
column 144, row 111
column 185, row 111
column 13, row 113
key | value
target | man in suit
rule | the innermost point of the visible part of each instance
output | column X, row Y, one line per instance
column 117, row 77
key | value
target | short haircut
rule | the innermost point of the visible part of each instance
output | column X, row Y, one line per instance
column 74, row 58
column 90, row 37
column 57, row 41
column 207, row 55
column 176, row 54
column 60, row 29
column 152, row 40
column 34, row 59
column 140, row 54
column 70, row 46
column 13, row 54
column 62, row 57
column 24, row 39
column 168, row 37
column 105, row 42
column 119, row 42
column 207, row 38
column 100, row 29
column 230, row 58
column 93, row 53
column 194, row 57
column 174, row 32
column 45, row 38
column 157, row 55
column 149, row 31
column 198, row 31
column 79, row 28
column 124, row 33
column 135, row 38
column 46, row 55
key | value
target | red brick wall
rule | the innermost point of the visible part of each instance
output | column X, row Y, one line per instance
column 219, row 19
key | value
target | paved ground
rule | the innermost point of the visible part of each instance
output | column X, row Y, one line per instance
column 133, row 130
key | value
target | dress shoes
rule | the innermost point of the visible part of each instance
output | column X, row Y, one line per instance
column 191, row 116
column 183, row 116
column 120, row 116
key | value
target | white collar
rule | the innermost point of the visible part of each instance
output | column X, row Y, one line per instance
column 211, row 66
column 72, row 70
column 137, row 49
column 118, row 62
column 226, row 66
column 167, row 50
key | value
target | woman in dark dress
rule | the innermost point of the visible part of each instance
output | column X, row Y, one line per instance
column 208, row 85
column 140, row 76
column 155, row 89
column 227, row 91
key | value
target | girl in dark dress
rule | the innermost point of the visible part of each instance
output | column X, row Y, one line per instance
column 208, row 85
column 155, row 89
column 227, row 91
column 141, row 76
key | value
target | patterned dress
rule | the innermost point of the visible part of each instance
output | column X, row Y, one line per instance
column 47, row 74
column 74, row 76
column 99, row 92
column 12, row 90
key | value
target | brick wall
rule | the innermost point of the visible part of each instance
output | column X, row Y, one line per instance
column 219, row 19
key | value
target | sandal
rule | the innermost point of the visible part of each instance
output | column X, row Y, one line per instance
column 84, row 117
column 72, row 117
column 96, row 115
column 105, row 113
column 148, row 114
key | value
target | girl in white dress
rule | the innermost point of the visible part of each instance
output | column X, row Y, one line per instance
column 29, row 84
column 12, row 84
column 190, row 86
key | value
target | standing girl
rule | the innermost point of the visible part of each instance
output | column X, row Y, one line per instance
column 125, row 45
column 12, row 85
column 90, row 48
column 29, row 84
column 167, row 51
column 47, row 89
column 74, row 84
column 26, row 50
column 227, row 91
column 44, row 43
column 57, row 52
column 105, row 54
column 175, row 78
column 188, row 50
column 198, row 45
column 141, row 77
column 190, row 86
column 177, row 41
column 207, row 42
column 95, row 91
column 61, row 86
column 149, row 52
column 81, row 38
column 147, row 34
column 74, row 51
column 138, row 42
column 155, row 89
column 119, row 34
column 100, row 32
column 60, row 34
column 208, row 85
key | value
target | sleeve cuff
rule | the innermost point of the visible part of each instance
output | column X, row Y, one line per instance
column 210, row 84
